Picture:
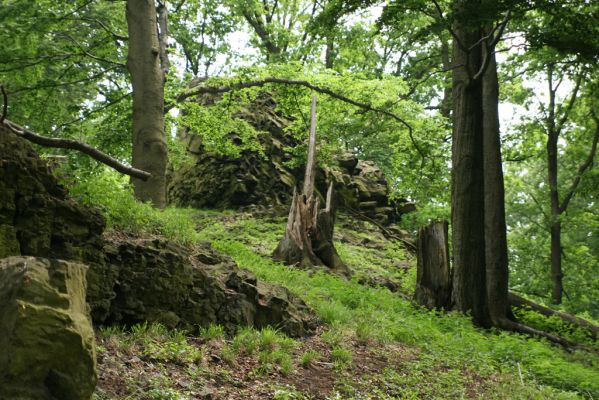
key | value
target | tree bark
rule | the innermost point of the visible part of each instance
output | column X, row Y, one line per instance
column 143, row 62
column 496, row 259
column 433, row 280
column 308, row 239
column 467, row 194
column 163, row 37
column 556, row 260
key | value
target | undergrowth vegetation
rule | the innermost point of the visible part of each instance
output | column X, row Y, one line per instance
column 449, row 348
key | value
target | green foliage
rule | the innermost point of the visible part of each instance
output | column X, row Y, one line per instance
column 219, row 127
column 341, row 357
column 309, row 356
column 114, row 196
column 212, row 332
column 447, row 337
column 555, row 325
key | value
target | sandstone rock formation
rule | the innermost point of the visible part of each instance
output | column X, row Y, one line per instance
column 46, row 336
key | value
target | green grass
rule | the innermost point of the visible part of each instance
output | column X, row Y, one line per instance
column 448, row 343
column 450, row 339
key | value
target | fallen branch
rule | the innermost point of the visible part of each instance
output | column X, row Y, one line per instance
column 386, row 232
column 74, row 145
column 262, row 82
column 512, row 326
column 521, row 302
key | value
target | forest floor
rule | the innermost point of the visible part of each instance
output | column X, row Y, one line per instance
column 373, row 342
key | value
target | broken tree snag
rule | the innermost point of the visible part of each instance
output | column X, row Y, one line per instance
column 308, row 240
column 433, row 277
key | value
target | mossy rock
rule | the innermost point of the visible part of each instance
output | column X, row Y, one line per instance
column 187, row 287
column 46, row 335
column 266, row 180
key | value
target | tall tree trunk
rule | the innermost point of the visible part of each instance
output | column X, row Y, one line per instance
column 467, row 194
column 496, row 260
column 552, row 177
column 143, row 62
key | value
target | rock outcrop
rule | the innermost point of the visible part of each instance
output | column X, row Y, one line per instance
column 213, row 181
column 132, row 280
column 46, row 336
column 158, row 281
column 37, row 217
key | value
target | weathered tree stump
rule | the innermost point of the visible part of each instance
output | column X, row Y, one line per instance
column 433, row 278
column 308, row 240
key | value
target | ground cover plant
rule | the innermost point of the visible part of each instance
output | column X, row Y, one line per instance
column 360, row 322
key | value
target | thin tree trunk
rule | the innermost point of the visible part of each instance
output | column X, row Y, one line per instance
column 556, row 260
column 163, row 37
column 552, row 177
column 143, row 62
column 467, row 195
column 496, row 260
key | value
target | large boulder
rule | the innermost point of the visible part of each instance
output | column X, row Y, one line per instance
column 46, row 336
column 179, row 286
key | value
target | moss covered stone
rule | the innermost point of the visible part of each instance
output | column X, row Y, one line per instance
column 46, row 336
column 179, row 286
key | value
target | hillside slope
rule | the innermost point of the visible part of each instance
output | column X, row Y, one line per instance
column 373, row 343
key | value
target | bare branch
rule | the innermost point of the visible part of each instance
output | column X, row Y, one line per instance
column 566, row 113
column 95, row 110
column 489, row 47
column 103, row 25
column 582, row 168
column 453, row 34
column 94, row 57
column 75, row 145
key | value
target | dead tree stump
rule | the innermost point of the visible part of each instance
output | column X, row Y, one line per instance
column 308, row 240
column 433, row 277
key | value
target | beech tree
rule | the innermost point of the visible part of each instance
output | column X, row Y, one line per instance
column 147, row 78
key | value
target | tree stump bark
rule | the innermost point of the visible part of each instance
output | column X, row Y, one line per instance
column 308, row 240
column 433, row 277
